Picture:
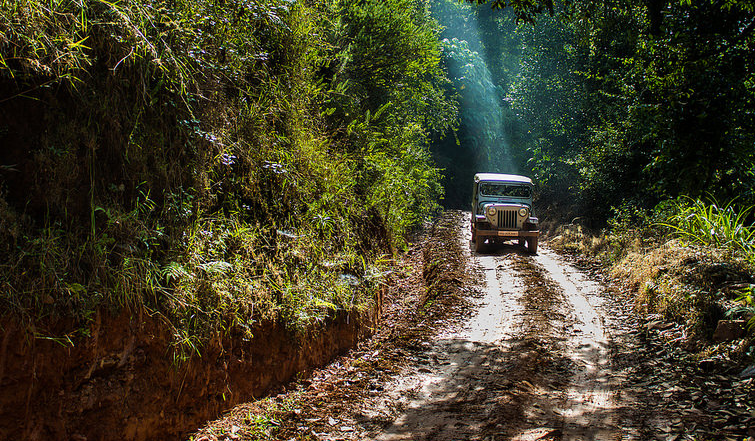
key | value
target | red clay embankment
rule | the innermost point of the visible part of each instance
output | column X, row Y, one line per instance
column 122, row 382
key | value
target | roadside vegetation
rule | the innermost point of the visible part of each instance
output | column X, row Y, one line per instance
column 219, row 163
column 688, row 262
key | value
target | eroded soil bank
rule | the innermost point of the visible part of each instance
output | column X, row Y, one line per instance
column 122, row 383
column 501, row 346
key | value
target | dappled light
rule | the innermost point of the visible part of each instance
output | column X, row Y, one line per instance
column 252, row 207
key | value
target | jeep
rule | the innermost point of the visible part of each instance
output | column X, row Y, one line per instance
column 502, row 211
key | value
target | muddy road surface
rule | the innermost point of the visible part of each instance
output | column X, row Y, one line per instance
column 501, row 345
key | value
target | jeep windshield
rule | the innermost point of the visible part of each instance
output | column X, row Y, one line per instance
column 508, row 190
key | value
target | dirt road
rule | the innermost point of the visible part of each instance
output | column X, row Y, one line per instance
column 531, row 362
column 499, row 346
column 526, row 358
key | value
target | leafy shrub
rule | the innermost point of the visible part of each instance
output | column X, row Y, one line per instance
column 746, row 297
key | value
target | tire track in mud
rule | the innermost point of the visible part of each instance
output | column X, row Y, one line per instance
column 572, row 397
column 458, row 394
column 588, row 408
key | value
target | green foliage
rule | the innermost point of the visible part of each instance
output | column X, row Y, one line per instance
column 403, row 210
column 712, row 224
column 639, row 103
column 218, row 162
column 391, row 88
column 525, row 10
column 479, row 49
column 481, row 113
column 746, row 297
column 747, row 300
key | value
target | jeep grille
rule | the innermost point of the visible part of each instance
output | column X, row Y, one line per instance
column 507, row 218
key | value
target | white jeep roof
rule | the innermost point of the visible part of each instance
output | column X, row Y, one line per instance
column 501, row 177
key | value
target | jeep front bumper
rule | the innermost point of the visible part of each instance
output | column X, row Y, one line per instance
column 483, row 233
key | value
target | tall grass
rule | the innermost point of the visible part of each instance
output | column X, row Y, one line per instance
column 712, row 224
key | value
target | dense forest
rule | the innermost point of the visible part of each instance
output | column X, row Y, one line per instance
column 611, row 104
column 221, row 161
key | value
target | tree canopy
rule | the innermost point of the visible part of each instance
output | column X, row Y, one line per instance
column 624, row 103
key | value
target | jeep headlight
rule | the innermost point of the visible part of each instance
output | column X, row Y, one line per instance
column 522, row 212
column 491, row 211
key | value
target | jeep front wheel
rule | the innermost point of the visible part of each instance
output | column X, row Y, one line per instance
column 478, row 245
column 532, row 245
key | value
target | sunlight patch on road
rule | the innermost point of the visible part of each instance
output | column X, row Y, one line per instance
column 493, row 320
column 588, row 405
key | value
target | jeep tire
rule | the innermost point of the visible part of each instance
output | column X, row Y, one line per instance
column 532, row 245
column 478, row 245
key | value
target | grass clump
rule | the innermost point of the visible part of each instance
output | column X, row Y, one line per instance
column 713, row 225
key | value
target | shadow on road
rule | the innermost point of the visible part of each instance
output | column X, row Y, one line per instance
column 543, row 375
column 500, row 249
column 484, row 391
